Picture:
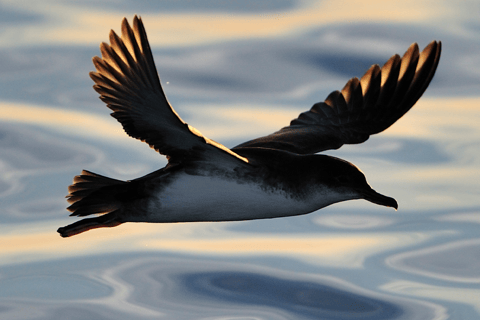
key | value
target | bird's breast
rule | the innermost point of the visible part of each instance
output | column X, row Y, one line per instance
column 189, row 198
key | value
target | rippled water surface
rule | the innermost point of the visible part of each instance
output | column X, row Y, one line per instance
column 237, row 70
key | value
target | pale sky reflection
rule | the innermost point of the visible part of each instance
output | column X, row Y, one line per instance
column 226, row 122
column 422, row 290
column 82, row 25
column 443, row 118
column 68, row 121
column 36, row 243
column 344, row 251
column 455, row 261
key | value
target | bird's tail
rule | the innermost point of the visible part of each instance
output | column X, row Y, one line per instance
column 92, row 193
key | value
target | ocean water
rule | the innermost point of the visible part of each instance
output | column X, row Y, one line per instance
column 237, row 70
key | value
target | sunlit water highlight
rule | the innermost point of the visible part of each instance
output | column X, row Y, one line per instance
column 235, row 71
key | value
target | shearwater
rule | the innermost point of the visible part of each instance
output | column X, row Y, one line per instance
column 277, row 175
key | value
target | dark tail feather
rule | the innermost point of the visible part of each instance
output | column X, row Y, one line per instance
column 92, row 193
column 107, row 220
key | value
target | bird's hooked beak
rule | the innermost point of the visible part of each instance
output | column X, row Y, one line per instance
column 377, row 198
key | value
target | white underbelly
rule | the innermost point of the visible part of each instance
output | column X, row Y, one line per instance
column 200, row 198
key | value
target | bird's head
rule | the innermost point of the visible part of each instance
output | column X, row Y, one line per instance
column 348, row 182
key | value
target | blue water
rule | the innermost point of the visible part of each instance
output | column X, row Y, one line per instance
column 237, row 70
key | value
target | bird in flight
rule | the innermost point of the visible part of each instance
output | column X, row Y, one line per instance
column 277, row 175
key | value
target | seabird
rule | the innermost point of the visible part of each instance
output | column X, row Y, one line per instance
column 277, row 175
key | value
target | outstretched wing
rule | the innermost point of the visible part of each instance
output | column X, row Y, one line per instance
column 363, row 107
column 128, row 83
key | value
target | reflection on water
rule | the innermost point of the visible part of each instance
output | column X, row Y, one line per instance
column 50, row 287
column 238, row 70
column 142, row 286
column 302, row 299
column 455, row 261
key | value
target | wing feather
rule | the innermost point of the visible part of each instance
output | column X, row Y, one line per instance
column 127, row 81
column 362, row 108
